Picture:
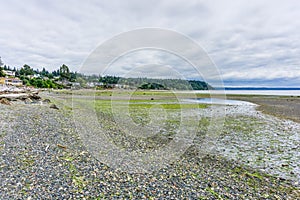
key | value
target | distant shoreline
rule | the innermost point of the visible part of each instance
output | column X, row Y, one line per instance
column 253, row 92
column 259, row 88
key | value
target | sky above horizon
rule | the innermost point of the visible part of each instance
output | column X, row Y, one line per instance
column 252, row 43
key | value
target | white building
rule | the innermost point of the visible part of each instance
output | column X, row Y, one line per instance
column 9, row 73
column 11, row 81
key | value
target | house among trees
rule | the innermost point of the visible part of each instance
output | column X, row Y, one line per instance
column 64, row 78
column 7, row 77
column 9, row 73
column 11, row 81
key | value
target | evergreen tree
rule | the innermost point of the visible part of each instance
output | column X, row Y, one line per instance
column 1, row 72
column 26, row 70
column 64, row 72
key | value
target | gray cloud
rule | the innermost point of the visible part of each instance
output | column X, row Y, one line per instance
column 247, row 40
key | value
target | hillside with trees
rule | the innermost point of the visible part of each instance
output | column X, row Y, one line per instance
column 156, row 84
column 65, row 78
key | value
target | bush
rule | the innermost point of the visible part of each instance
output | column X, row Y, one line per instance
column 40, row 83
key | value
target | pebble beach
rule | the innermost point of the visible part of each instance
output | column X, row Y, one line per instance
column 43, row 157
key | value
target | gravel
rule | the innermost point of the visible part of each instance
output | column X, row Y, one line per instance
column 43, row 157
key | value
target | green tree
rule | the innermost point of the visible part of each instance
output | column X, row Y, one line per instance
column 82, row 81
column 26, row 70
column 64, row 72
column 109, row 79
column 73, row 76
column 1, row 69
column 44, row 72
column 1, row 72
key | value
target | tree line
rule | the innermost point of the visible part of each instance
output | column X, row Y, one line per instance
column 63, row 77
column 43, row 78
column 155, row 84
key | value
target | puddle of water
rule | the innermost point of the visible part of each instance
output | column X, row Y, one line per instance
column 220, row 101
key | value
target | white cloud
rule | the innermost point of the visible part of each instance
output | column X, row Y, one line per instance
column 261, row 37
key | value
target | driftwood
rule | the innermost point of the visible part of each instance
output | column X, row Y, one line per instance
column 27, row 98
column 5, row 101
column 61, row 146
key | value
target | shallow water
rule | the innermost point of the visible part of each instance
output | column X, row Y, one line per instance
column 219, row 101
column 248, row 92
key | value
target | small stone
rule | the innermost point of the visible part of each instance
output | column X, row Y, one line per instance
column 27, row 101
column 34, row 97
column 46, row 101
column 53, row 106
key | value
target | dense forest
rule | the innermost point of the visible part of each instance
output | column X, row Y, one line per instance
column 159, row 84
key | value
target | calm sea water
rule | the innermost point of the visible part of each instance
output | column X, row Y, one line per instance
column 219, row 101
column 284, row 92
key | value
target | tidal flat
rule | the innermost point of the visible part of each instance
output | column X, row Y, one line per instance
column 44, row 153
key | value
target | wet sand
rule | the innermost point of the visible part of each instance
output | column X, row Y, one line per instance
column 282, row 107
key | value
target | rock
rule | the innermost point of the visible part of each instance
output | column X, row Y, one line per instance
column 35, row 102
column 27, row 98
column 34, row 97
column 53, row 106
column 46, row 101
column 22, row 97
column 5, row 101
column 27, row 101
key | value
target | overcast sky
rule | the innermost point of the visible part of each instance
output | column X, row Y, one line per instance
column 252, row 43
